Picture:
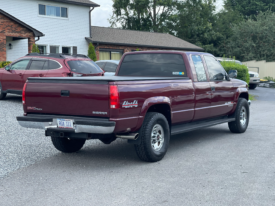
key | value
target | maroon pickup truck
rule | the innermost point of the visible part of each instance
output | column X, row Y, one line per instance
column 153, row 95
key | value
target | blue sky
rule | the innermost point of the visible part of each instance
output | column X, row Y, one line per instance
column 101, row 14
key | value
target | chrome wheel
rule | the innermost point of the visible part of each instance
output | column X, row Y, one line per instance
column 157, row 137
column 243, row 116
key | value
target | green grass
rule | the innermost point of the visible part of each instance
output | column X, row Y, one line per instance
column 252, row 97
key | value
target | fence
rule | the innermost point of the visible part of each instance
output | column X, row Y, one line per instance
column 262, row 67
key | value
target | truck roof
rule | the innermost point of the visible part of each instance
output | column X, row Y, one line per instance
column 168, row 51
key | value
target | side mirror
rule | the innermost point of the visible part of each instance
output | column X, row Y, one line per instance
column 233, row 73
column 8, row 68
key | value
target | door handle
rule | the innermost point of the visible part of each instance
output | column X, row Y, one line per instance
column 20, row 74
column 65, row 93
column 41, row 75
column 213, row 89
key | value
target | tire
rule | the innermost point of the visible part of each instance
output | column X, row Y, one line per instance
column 67, row 145
column 242, row 117
column 154, row 136
column 2, row 95
column 252, row 86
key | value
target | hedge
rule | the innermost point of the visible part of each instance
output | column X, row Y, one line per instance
column 3, row 64
column 241, row 69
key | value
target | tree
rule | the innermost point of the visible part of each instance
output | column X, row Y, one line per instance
column 253, row 39
column 35, row 49
column 249, row 8
column 194, row 23
column 91, row 52
column 143, row 15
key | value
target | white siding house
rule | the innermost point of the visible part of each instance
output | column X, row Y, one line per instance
column 62, row 34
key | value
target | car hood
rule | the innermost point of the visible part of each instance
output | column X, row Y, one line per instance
column 239, row 82
column 252, row 72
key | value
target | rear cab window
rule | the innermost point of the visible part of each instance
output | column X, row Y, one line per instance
column 84, row 67
column 153, row 65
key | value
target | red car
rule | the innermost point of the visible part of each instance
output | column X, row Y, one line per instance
column 14, row 76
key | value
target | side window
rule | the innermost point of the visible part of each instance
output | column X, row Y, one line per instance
column 21, row 65
column 101, row 64
column 53, row 65
column 199, row 68
column 110, row 67
column 37, row 65
column 215, row 69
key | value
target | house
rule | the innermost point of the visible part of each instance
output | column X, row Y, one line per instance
column 64, row 26
column 111, row 43
column 56, row 26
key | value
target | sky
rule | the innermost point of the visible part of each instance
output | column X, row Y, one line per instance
column 100, row 15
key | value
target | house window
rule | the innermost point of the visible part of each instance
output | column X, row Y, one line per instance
column 53, row 11
column 54, row 49
column 42, row 49
column 66, row 50
column 110, row 54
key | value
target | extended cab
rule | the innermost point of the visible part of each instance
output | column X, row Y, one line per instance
column 153, row 95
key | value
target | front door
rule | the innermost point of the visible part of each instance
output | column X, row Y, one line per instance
column 202, row 89
column 222, row 88
column 13, row 79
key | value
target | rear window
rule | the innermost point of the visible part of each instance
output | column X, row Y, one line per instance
column 84, row 67
column 153, row 65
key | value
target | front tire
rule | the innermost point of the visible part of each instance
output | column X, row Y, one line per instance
column 242, row 117
column 154, row 136
column 2, row 95
column 67, row 145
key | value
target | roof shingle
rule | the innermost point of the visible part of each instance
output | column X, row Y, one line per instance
column 78, row 2
column 139, row 38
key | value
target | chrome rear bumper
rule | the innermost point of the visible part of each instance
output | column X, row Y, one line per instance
column 80, row 125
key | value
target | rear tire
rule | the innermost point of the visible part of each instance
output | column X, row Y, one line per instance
column 154, row 136
column 67, row 145
column 2, row 95
column 252, row 86
column 242, row 117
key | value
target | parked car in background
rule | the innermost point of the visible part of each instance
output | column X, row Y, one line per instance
column 254, row 76
column 14, row 76
column 254, row 80
column 109, row 66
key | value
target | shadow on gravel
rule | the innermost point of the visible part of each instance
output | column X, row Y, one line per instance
column 121, row 154
column 13, row 98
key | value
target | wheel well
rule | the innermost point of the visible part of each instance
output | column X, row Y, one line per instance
column 244, row 95
column 163, row 109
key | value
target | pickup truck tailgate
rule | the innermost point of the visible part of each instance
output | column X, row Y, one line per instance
column 79, row 97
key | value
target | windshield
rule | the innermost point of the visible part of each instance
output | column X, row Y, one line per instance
column 84, row 67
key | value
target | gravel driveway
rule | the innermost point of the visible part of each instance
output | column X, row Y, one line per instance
column 206, row 167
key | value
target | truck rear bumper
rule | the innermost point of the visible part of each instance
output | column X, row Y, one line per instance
column 81, row 125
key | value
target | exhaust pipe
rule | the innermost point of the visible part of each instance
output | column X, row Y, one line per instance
column 132, row 136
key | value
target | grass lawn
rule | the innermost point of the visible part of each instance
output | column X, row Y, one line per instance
column 252, row 97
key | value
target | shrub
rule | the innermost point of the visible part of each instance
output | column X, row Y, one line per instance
column 269, row 78
column 91, row 52
column 241, row 69
column 3, row 64
column 35, row 49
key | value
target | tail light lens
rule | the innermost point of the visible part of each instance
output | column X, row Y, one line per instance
column 114, row 98
column 24, row 93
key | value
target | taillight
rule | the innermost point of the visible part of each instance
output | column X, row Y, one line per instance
column 114, row 98
column 24, row 94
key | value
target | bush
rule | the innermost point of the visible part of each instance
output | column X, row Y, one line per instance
column 3, row 64
column 91, row 52
column 241, row 69
column 269, row 78
column 35, row 49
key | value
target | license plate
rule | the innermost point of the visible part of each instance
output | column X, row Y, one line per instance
column 65, row 123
